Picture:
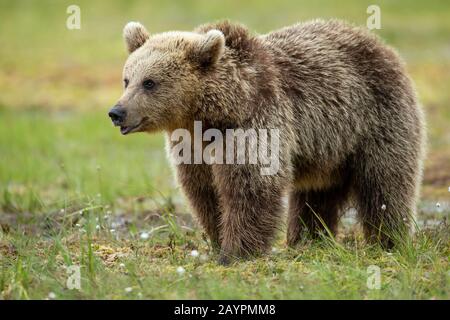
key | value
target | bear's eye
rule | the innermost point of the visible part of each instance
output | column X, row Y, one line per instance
column 148, row 84
column 126, row 82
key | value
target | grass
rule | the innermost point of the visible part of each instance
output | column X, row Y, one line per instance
column 35, row 264
column 75, row 192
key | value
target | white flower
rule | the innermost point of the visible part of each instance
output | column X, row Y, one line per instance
column 194, row 253
column 181, row 270
column 97, row 227
column 438, row 205
column 383, row 207
column 144, row 235
column 122, row 265
column 51, row 295
column 112, row 230
column 128, row 289
column 62, row 210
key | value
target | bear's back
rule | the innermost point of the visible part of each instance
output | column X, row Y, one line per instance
column 343, row 81
column 335, row 54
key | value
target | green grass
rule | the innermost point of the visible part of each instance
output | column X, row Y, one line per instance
column 33, row 265
column 73, row 191
column 52, row 156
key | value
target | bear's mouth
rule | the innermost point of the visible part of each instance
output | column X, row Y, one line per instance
column 129, row 129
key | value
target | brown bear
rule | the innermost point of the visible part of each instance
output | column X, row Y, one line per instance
column 351, row 131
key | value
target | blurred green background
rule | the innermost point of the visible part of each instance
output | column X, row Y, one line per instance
column 60, row 157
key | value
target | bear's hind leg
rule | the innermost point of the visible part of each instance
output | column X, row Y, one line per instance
column 314, row 212
column 385, row 217
column 386, row 197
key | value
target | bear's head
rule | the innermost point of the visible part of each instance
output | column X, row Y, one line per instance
column 163, row 77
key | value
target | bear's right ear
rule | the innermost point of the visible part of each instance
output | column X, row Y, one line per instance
column 208, row 50
column 135, row 35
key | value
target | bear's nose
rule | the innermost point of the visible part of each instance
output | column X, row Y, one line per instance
column 117, row 114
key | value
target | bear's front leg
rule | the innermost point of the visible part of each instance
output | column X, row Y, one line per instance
column 196, row 182
column 252, row 206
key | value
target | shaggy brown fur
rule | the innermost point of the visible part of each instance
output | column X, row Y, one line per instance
column 350, row 126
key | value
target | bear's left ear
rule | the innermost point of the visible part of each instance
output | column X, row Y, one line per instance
column 210, row 49
column 135, row 35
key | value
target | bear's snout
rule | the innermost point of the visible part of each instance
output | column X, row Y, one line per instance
column 117, row 115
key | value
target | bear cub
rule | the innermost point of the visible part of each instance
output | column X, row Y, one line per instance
column 350, row 129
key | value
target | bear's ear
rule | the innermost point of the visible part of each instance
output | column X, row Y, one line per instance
column 210, row 49
column 135, row 35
